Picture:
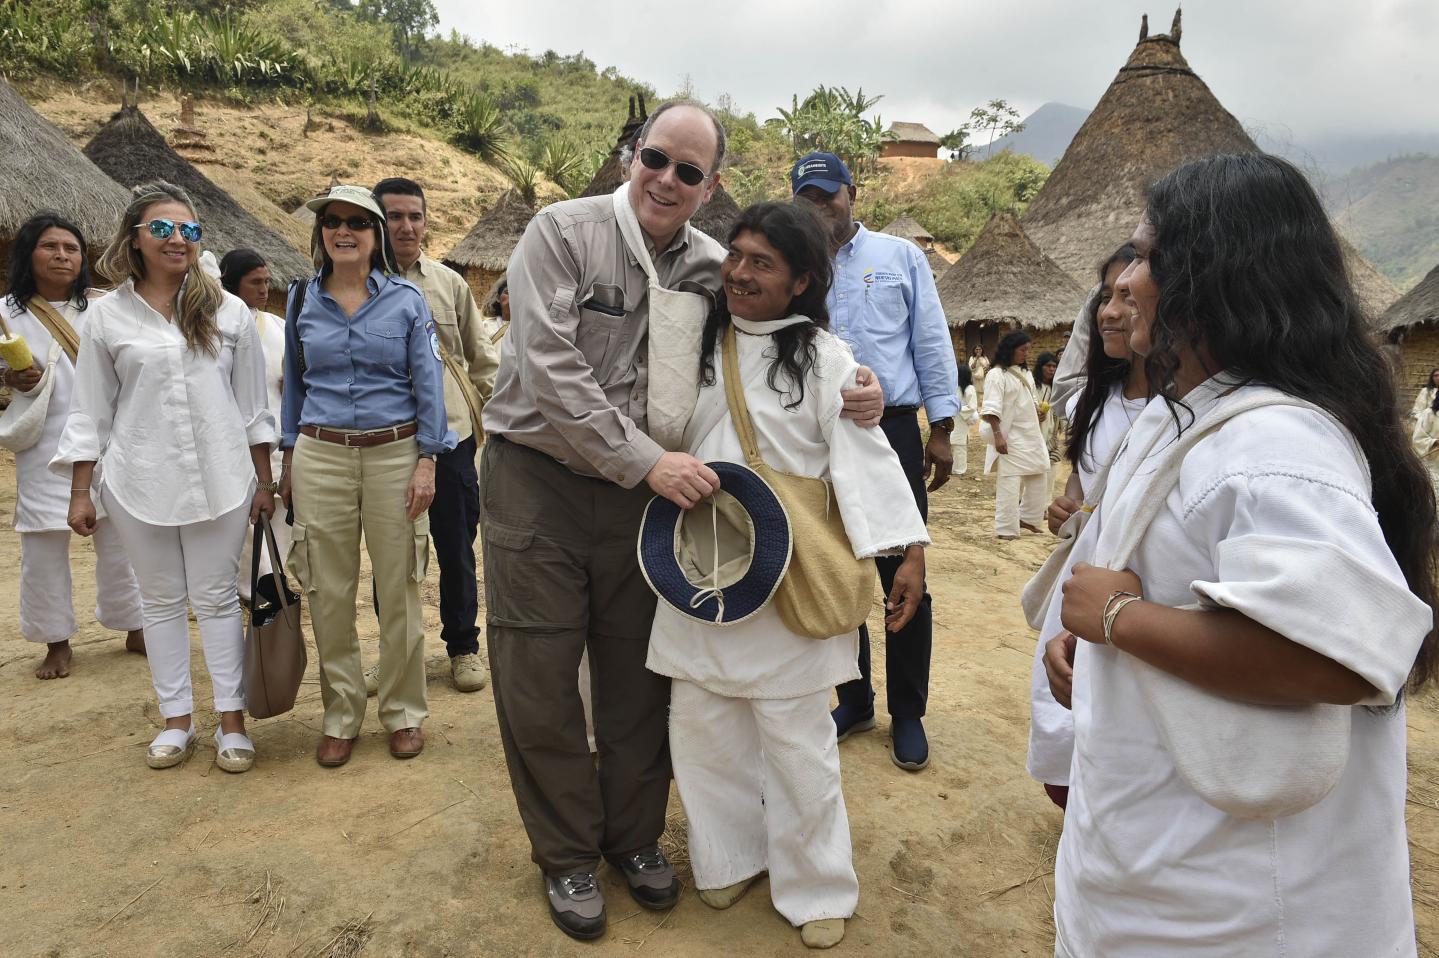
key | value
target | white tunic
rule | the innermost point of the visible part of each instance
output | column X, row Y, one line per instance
column 1272, row 517
column 170, row 426
column 42, row 497
column 760, row 657
column 272, row 341
column 1009, row 394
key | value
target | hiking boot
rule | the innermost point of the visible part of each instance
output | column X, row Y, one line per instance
column 910, row 747
column 577, row 905
column 651, row 878
column 372, row 680
column 468, row 672
column 848, row 720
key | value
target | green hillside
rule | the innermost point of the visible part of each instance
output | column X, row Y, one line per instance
column 1391, row 212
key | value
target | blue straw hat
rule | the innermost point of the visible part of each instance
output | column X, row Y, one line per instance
column 720, row 562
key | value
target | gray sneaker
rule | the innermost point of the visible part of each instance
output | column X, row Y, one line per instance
column 577, row 905
column 651, row 878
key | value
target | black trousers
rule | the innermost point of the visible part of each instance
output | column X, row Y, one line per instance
column 454, row 517
column 906, row 652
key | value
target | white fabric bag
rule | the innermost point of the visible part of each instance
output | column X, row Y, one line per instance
column 676, row 326
column 1250, row 761
column 24, row 419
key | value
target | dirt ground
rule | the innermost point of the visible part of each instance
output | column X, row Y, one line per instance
column 105, row 857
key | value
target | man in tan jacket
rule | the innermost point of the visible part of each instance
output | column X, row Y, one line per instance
column 455, row 511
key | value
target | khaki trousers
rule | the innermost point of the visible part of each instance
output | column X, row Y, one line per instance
column 337, row 493
column 562, row 576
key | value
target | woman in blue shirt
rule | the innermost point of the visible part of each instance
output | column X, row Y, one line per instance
column 362, row 418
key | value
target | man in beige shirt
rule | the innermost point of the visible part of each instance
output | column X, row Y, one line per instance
column 567, row 472
column 455, row 511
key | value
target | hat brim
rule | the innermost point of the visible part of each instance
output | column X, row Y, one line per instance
column 320, row 202
column 829, row 186
column 768, row 563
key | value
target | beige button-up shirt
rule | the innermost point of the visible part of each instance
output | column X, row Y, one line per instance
column 572, row 381
column 461, row 330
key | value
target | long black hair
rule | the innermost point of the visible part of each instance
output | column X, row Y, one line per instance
column 798, row 236
column 966, row 378
column 1004, row 353
column 236, row 265
column 1251, row 273
column 1100, row 371
column 1045, row 358
column 21, row 282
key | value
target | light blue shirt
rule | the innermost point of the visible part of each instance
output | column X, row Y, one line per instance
column 380, row 367
column 884, row 305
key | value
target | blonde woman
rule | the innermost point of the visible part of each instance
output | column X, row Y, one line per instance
column 169, row 400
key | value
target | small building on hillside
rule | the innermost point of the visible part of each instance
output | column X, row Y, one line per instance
column 42, row 170
column 906, row 227
column 484, row 254
column 1411, row 326
column 132, row 152
column 1003, row 282
column 911, row 139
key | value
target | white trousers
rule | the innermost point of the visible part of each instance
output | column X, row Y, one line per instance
column 1019, row 499
column 194, row 565
column 281, row 529
column 759, row 780
column 47, row 612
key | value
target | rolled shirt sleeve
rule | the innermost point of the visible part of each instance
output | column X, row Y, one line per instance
column 247, row 382
column 92, row 402
column 934, row 362
column 427, row 375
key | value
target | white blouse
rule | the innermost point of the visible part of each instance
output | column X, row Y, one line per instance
column 760, row 657
column 171, row 427
column 1009, row 395
column 1272, row 516
column 272, row 340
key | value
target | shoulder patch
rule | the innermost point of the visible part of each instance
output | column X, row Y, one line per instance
column 435, row 343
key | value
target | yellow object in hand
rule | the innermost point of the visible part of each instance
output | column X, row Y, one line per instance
column 1043, row 406
column 16, row 352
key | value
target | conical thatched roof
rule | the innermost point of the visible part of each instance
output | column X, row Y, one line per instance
column 1155, row 115
column 241, row 189
column 906, row 227
column 713, row 218
column 1005, row 278
column 41, row 169
column 1419, row 305
column 494, row 237
column 132, row 151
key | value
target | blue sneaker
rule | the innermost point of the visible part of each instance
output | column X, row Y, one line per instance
column 849, row 719
column 910, row 748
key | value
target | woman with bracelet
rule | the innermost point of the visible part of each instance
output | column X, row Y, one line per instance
column 244, row 274
column 170, row 400
column 1307, row 533
column 362, row 418
column 47, row 304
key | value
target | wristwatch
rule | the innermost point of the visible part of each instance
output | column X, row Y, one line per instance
column 428, row 455
column 946, row 424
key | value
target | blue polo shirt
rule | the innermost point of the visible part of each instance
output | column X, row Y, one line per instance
column 380, row 367
column 884, row 305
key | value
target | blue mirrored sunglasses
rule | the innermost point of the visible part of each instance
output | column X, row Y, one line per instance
column 164, row 229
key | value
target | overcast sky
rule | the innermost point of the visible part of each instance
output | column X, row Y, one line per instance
column 1291, row 68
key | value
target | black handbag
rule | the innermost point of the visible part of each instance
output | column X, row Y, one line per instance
column 275, row 658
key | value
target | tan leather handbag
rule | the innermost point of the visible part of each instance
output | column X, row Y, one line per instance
column 826, row 590
column 275, row 658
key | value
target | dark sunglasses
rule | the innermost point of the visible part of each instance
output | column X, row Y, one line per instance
column 355, row 223
column 689, row 174
column 164, row 229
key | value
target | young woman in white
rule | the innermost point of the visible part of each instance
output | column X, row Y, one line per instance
column 969, row 414
column 1049, row 417
column 1307, row 536
column 1426, row 440
column 1428, row 392
column 751, row 738
column 49, row 280
column 244, row 274
column 1011, row 408
column 170, row 401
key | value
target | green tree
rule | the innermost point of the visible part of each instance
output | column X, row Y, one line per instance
column 958, row 140
column 410, row 20
column 832, row 119
column 999, row 118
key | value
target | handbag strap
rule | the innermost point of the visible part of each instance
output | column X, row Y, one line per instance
column 265, row 536
column 59, row 327
column 738, row 408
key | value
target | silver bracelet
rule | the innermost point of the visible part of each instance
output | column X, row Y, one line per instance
column 1112, row 606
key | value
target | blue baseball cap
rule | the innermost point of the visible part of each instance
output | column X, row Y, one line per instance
column 824, row 170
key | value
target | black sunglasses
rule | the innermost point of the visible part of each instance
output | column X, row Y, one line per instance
column 355, row 223
column 689, row 174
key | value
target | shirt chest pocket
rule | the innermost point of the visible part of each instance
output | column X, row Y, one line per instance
column 886, row 298
column 387, row 340
column 601, row 330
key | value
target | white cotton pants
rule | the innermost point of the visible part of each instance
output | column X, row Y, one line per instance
column 47, row 612
column 759, row 780
column 1019, row 499
column 190, row 565
column 281, row 529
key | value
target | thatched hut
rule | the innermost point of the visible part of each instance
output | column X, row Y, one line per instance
column 242, row 190
column 484, row 254
column 42, row 169
column 1005, row 282
column 1412, row 324
column 910, row 139
column 906, row 227
column 713, row 218
column 132, row 151
column 1156, row 114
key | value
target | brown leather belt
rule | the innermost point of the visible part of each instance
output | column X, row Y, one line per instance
column 375, row 437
